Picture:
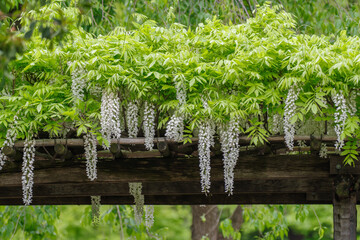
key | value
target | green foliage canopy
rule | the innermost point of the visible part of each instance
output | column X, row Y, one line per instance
column 241, row 71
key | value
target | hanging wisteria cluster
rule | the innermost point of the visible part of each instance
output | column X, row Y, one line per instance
column 206, row 141
column 340, row 117
column 175, row 128
column 180, row 93
column 9, row 141
column 323, row 151
column 78, row 83
column 28, row 170
column 132, row 115
column 135, row 189
column 229, row 139
column 110, row 116
column 301, row 143
column 352, row 102
column 95, row 210
column 149, row 125
column 149, row 216
column 90, row 155
column 289, row 112
column 276, row 123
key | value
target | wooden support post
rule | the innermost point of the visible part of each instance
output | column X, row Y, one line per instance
column 12, row 153
column 116, row 150
column 63, row 151
column 163, row 148
column 344, row 212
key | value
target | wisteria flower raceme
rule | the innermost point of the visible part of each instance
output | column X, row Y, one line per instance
column 175, row 128
column 132, row 115
column 276, row 123
column 290, row 110
column 340, row 117
column 9, row 141
column 229, row 139
column 323, row 151
column 28, row 170
column 180, row 93
column 110, row 116
column 149, row 125
column 149, row 216
column 95, row 210
column 90, row 155
column 78, row 84
column 135, row 189
column 206, row 140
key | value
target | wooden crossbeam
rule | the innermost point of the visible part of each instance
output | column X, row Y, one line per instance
column 171, row 188
column 170, row 169
column 140, row 140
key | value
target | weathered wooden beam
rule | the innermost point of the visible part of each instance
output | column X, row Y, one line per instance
column 137, row 141
column 337, row 167
column 284, row 198
column 179, row 169
column 174, row 188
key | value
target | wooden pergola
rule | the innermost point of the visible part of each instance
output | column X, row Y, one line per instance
column 170, row 175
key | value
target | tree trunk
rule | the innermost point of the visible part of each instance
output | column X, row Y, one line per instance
column 205, row 222
column 344, row 213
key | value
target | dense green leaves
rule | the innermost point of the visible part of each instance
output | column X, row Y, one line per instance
column 242, row 71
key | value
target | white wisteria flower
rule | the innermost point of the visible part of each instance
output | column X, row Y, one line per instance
column 135, row 189
column 340, row 117
column 276, row 123
column 28, row 170
column 290, row 110
column 78, row 83
column 149, row 125
column 180, row 93
column 9, row 141
column 323, row 151
column 132, row 116
column 175, row 128
column 229, row 138
column 95, row 210
column 206, row 141
column 149, row 216
column 110, row 116
column 90, row 155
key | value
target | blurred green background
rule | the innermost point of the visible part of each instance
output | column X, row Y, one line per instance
column 171, row 222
